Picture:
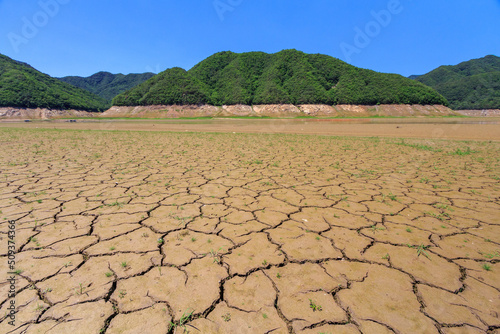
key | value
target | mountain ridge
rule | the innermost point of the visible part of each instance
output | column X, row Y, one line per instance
column 23, row 86
column 472, row 84
column 285, row 77
column 107, row 85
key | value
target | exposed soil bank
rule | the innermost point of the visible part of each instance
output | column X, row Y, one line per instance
column 41, row 113
column 269, row 110
column 482, row 113
column 278, row 110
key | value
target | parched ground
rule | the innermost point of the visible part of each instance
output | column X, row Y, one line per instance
column 156, row 232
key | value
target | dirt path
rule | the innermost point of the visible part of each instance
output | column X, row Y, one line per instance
column 130, row 232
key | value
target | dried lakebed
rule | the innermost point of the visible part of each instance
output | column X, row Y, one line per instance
column 156, row 232
column 466, row 128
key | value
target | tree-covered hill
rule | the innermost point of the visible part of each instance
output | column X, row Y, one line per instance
column 474, row 84
column 289, row 76
column 24, row 87
column 107, row 85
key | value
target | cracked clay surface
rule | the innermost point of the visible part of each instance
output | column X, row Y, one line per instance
column 156, row 232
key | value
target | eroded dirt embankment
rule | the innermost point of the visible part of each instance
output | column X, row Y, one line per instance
column 41, row 113
column 278, row 110
column 270, row 110
column 482, row 113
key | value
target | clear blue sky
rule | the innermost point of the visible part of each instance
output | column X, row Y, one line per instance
column 82, row 37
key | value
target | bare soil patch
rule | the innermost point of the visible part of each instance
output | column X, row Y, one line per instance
column 278, row 110
column 425, row 128
column 168, row 232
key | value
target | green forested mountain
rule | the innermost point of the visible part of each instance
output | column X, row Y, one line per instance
column 289, row 76
column 107, row 85
column 24, row 87
column 474, row 84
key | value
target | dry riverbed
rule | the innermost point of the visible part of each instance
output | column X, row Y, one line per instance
column 163, row 232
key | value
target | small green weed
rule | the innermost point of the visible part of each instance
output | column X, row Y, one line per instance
column 226, row 317
column 375, row 228
column 421, row 250
column 466, row 151
column 183, row 321
column 314, row 306
column 490, row 255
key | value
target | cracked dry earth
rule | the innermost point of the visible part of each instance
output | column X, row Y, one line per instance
column 130, row 232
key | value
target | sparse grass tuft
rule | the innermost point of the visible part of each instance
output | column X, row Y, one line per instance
column 460, row 152
column 314, row 306
column 421, row 250
column 183, row 321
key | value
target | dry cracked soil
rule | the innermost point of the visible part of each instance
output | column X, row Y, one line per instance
column 157, row 232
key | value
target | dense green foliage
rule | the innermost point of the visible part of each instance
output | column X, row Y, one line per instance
column 183, row 89
column 289, row 76
column 474, row 84
column 107, row 85
column 24, row 87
